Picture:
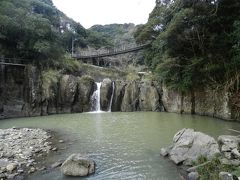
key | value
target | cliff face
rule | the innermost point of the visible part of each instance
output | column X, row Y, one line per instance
column 207, row 102
column 32, row 93
column 25, row 94
column 28, row 92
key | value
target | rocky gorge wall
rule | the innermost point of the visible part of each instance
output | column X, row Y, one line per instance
column 29, row 92
column 206, row 101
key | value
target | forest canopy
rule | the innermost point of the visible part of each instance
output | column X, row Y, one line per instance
column 37, row 30
column 194, row 43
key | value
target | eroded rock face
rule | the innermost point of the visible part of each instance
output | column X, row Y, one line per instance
column 67, row 91
column 78, row 165
column 118, row 95
column 106, row 93
column 84, row 92
column 130, row 100
column 203, row 101
column 22, row 94
column 27, row 103
column 188, row 145
column 149, row 99
column 136, row 96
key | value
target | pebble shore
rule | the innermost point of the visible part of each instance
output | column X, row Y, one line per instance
column 19, row 149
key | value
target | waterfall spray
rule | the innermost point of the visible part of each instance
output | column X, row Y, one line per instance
column 95, row 99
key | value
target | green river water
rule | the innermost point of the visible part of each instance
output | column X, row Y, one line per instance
column 124, row 145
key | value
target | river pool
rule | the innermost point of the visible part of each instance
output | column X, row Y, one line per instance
column 123, row 145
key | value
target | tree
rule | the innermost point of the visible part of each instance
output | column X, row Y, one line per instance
column 192, row 44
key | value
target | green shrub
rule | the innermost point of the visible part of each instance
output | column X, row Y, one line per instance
column 237, row 172
column 212, row 168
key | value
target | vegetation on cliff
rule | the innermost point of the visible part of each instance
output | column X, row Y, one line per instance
column 36, row 30
column 119, row 36
column 194, row 43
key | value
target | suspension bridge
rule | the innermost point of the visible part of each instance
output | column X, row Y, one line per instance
column 85, row 55
column 14, row 62
column 109, row 52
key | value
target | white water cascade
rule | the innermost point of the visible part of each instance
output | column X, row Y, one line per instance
column 95, row 99
column 111, row 100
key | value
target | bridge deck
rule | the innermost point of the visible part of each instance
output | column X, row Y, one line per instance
column 12, row 64
column 111, row 53
column 24, row 62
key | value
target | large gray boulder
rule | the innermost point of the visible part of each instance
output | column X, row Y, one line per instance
column 78, row 165
column 188, row 145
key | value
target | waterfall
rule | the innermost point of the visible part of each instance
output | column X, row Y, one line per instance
column 95, row 99
column 110, row 104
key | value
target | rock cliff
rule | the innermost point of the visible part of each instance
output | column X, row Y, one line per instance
column 29, row 92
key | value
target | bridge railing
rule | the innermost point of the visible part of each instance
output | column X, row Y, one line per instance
column 13, row 61
column 113, row 51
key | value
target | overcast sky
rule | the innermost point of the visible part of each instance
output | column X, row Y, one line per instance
column 91, row 12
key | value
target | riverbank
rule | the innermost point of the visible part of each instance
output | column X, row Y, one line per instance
column 21, row 151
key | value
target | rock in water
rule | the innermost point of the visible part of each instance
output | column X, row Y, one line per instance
column 164, row 152
column 188, row 145
column 56, row 164
column 78, row 165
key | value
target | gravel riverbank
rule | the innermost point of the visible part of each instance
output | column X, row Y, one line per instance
column 19, row 149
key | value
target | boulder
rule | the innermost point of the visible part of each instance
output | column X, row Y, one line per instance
column 232, row 162
column 164, row 152
column 235, row 153
column 78, row 165
column 193, row 176
column 56, row 164
column 229, row 146
column 188, row 145
column 225, row 176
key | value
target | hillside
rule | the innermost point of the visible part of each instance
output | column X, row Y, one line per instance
column 195, row 45
column 117, row 34
column 120, row 35
column 37, row 30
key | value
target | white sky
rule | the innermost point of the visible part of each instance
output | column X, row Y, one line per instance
column 91, row 12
